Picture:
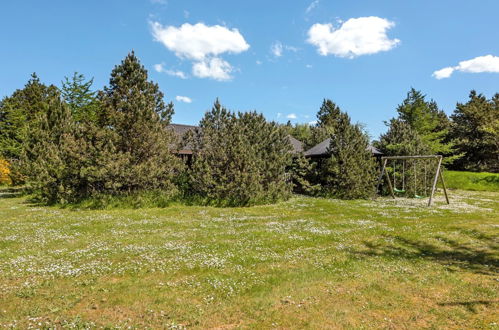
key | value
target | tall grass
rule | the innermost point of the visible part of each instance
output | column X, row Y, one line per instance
column 472, row 181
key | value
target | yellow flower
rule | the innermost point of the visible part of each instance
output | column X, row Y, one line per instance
column 4, row 172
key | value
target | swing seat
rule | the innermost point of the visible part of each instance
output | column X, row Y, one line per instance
column 399, row 190
column 418, row 197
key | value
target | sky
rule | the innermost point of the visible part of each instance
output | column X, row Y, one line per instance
column 281, row 58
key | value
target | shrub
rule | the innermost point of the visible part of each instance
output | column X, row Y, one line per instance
column 5, row 172
column 349, row 173
column 125, row 149
column 239, row 159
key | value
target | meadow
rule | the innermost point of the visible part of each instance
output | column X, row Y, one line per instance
column 304, row 263
column 482, row 181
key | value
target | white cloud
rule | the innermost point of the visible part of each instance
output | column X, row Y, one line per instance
column 443, row 73
column 203, row 45
column 176, row 73
column 355, row 37
column 198, row 41
column 214, row 68
column 159, row 67
column 312, row 6
column 308, row 66
column 487, row 63
column 184, row 99
column 312, row 123
column 291, row 116
column 276, row 49
column 279, row 115
column 258, row 62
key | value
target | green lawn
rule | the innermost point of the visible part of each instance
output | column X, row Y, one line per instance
column 308, row 262
column 472, row 181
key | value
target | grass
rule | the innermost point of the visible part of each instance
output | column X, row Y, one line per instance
column 305, row 263
column 472, row 181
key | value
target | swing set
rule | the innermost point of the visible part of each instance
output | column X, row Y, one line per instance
column 405, row 172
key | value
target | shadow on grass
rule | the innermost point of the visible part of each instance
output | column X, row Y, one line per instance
column 470, row 305
column 481, row 258
column 11, row 192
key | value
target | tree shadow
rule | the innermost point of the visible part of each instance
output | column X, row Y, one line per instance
column 11, row 192
column 482, row 258
column 470, row 305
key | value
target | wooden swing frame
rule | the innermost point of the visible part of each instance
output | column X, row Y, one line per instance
column 438, row 174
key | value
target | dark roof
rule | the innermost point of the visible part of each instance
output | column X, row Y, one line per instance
column 297, row 144
column 181, row 129
column 374, row 150
column 319, row 149
column 322, row 149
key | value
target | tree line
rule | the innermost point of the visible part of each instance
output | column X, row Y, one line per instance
column 73, row 143
column 468, row 138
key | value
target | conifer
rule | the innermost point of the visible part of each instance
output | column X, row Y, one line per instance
column 239, row 159
column 135, row 115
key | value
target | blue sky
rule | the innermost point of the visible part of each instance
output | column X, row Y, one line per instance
column 277, row 57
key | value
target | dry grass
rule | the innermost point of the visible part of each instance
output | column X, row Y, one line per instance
column 305, row 263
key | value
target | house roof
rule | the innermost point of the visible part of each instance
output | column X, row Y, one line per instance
column 296, row 144
column 322, row 149
column 180, row 130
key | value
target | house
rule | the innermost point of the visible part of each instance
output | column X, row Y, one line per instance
column 185, row 151
column 321, row 150
column 180, row 130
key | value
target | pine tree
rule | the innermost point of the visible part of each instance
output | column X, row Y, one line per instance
column 18, row 111
column 78, row 94
column 429, row 122
column 349, row 172
column 133, row 111
column 327, row 119
column 50, row 145
column 304, row 175
column 475, row 127
column 239, row 159
column 401, row 140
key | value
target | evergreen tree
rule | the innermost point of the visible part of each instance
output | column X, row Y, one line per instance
column 239, row 159
column 135, row 115
column 301, row 132
column 349, row 172
column 47, row 151
column 18, row 111
column 476, row 129
column 429, row 122
column 327, row 121
column 78, row 94
column 401, row 140
column 304, row 175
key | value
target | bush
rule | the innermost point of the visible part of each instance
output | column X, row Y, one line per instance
column 5, row 172
column 349, row 173
column 349, row 170
column 124, row 151
column 239, row 160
